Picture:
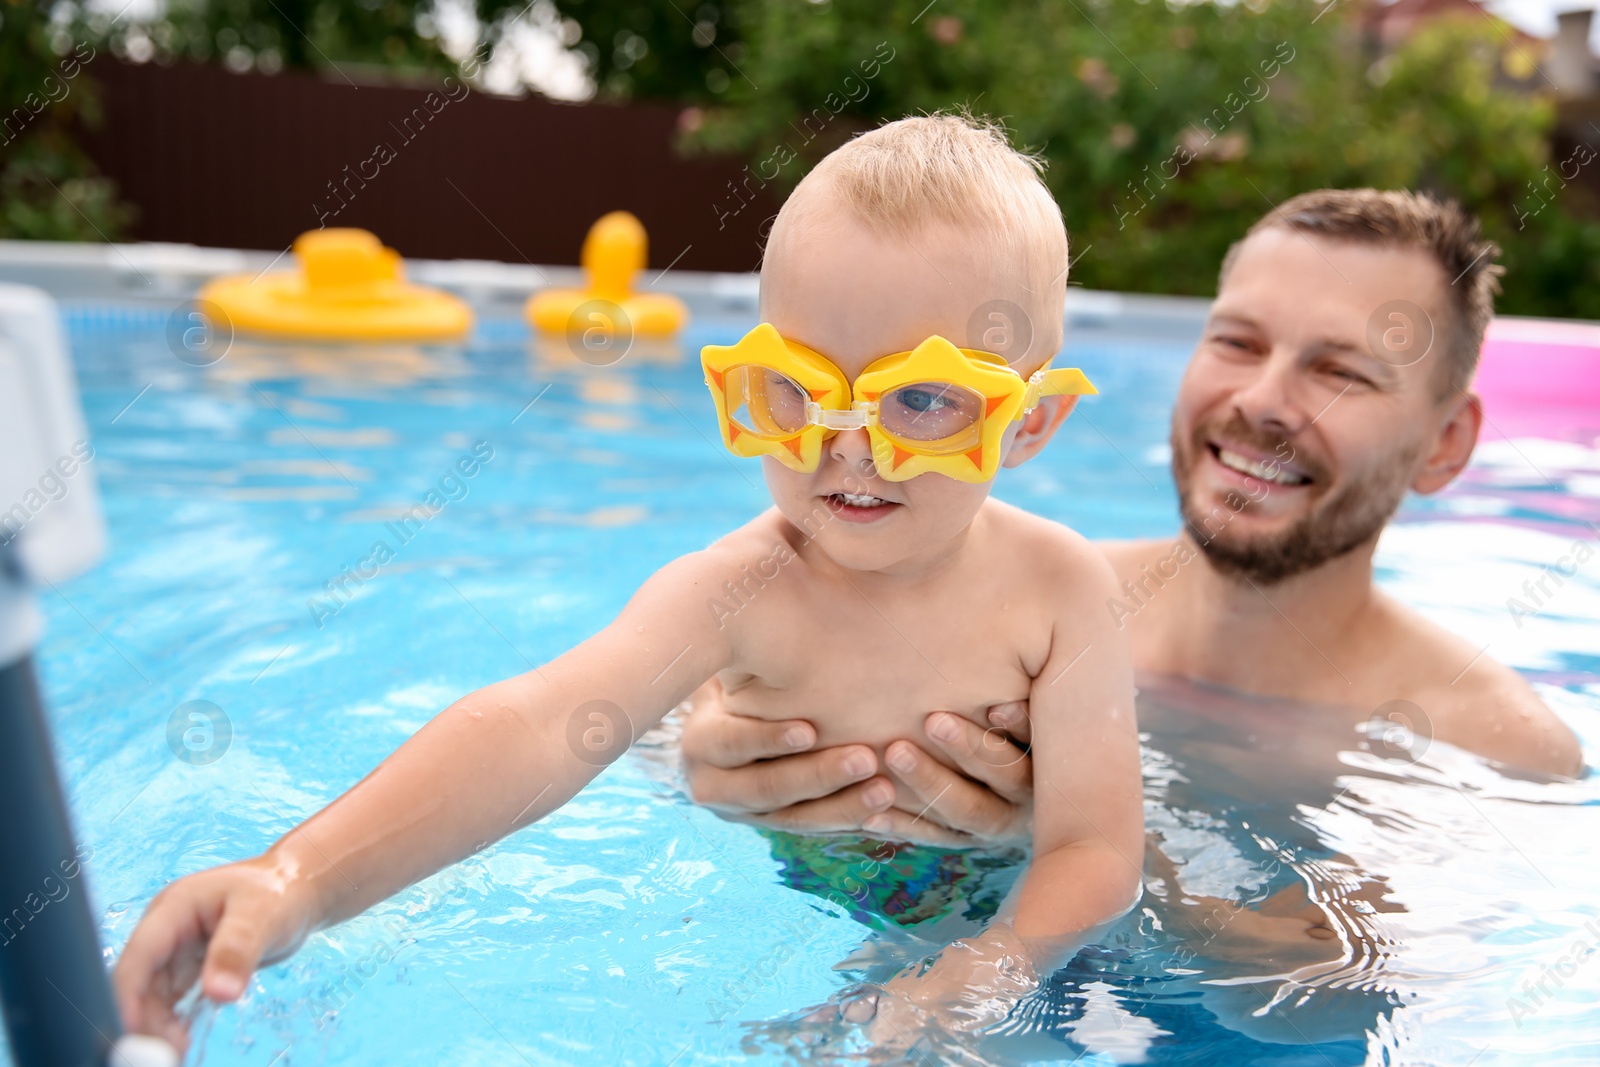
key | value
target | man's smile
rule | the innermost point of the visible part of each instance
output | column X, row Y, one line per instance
column 1253, row 463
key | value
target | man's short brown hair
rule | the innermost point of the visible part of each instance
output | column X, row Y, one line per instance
column 1397, row 219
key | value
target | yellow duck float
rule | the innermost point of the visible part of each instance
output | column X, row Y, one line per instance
column 346, row 287
column 612, row 254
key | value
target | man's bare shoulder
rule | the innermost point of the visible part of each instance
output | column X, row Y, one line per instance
column 1472, row 700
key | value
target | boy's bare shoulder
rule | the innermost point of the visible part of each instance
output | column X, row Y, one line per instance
column 766, row 533
column 1047, row 548
column 762, row 539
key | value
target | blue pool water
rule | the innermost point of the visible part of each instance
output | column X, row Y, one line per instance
column 632, row 927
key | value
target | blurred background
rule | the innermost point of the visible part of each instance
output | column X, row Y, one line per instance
column 498, row 130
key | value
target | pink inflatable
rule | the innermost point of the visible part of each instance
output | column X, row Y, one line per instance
column 1540, row 378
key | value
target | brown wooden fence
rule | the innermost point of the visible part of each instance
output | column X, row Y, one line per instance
column 249, row 161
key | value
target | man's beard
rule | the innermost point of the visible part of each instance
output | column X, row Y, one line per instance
column 1349, row 516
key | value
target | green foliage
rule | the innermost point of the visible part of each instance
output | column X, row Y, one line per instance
column 1168, row 129
column 49, row 192
column 677, row 52
column 648, row 51
column 277, row 34
column 396, row 37
column 48, row 188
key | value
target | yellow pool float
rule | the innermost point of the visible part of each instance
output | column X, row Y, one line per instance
column 346, row 287
column 612, row 254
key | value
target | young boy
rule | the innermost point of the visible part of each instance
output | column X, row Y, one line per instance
column 884, row 583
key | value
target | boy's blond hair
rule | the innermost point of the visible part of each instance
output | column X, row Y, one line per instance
column 955, row 169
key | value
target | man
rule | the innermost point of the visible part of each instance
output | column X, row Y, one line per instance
column 1332, row 376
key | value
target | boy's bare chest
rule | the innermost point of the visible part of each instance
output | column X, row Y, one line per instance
column 868, row 672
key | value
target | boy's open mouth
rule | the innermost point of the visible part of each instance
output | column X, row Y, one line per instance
column 860, row 507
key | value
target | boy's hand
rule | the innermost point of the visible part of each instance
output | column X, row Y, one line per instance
column 750, row 770
column 218, row 926
column 972, row 984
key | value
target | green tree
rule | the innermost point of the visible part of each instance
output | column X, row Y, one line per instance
column 48, row 188
column 647, row 51
column 1168, row 129
column 396, row 35
column 676, row 52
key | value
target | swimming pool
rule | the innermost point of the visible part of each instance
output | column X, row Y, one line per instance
column 632, row 927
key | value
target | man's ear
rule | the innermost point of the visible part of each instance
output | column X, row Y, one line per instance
column 1038, row 426
column 1452, row 448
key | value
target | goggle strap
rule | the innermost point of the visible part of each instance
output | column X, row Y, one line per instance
column 1059, row 381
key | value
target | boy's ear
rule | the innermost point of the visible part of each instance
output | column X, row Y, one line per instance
column 1038, row 426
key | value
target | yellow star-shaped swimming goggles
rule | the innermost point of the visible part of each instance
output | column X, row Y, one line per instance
column 937, row 408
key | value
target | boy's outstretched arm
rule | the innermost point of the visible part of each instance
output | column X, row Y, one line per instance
column 1088, row 835
column 490, row 763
